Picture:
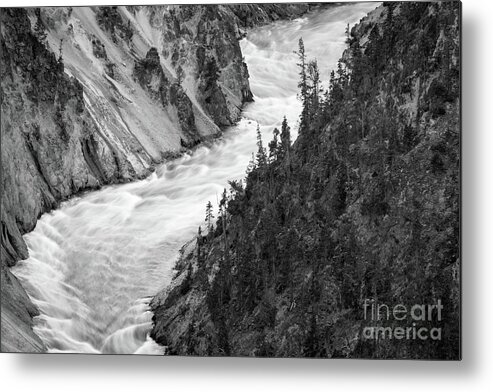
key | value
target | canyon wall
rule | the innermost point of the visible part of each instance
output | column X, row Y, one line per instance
column 100, row 95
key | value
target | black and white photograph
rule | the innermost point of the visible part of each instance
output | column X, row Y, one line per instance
column 275, row 180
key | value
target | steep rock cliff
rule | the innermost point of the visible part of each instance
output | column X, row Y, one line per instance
column 50, row 149
column 90, row 69
column 251, row 15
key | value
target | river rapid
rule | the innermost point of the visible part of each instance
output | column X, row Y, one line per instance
column 96, row 262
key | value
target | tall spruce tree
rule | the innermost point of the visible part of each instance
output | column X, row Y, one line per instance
column 303, row 83
column 285, row 139
column 39, row 27
column 261, row 153
column 209, row 216
column 315, row 88
column 274, row 146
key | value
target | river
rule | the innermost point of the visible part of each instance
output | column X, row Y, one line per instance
column 96, row 262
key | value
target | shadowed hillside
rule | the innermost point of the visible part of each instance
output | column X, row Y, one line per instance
column 364, row 206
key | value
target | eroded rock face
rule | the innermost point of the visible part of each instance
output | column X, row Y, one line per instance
column 150, row 75
column 62, row 133
column 193, row 38
column 17, row 313
column 251, row 15
column 50, row 150
column 97, row 95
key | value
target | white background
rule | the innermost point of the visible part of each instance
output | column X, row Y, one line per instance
column 126, row 373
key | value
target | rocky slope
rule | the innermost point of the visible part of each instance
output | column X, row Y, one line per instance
column 50, row 149
column 363, row 206
column 251, row 15
column 98, row 95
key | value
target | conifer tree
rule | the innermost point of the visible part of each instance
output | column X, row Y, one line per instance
column 251, row 165
column 315, row 88
column 285, row 139
column 179, row 75
column 211, row 72
column 209, row 216
column 236, row 187
column 199, row 243
column 261, row 153
column 303, row 83
column 285, row 148
column 223, row 211
column 348, row 35
column 274, row 145
column 326, row 106
column 39, row 28
column 332, row 81
column 335, row 89
column 341, row 73
column 60, row 52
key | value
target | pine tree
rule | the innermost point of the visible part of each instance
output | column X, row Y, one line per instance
column 60, row 52
column 315, row 88
column 348, row 35
column 336, row 86
column 251, row 165
column 285, row 139
column 303, row 83
column 388, row 33
column 341, row 73
column 199, row 243
column 274, row 145
column 326, row 106
column 179, row 75
column 39, row 28
column 285, row 151
column 209, row 216
column 211, row 72
column 358, row 69
column 261, row 153
column 332, row 81
column 236, row 187
column 223, row 211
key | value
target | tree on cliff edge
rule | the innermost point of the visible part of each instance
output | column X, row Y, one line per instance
column 209, row 216
column 39, row 27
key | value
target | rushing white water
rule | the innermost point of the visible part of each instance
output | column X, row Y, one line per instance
column 95, row 262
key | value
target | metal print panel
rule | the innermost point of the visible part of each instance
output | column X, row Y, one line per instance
column 264, row 180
